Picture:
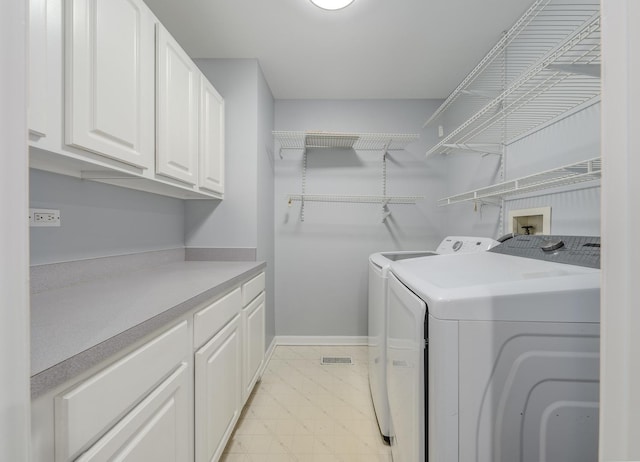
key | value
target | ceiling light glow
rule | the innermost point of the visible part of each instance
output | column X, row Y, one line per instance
column 332, row 4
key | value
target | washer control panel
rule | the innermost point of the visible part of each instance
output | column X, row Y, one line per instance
column 465, row 244
column 571, row 250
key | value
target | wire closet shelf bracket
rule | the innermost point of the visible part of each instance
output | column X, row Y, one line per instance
column 382, row 142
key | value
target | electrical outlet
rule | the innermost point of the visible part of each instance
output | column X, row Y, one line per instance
column 44, row 217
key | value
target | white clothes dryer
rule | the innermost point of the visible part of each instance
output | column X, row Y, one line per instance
column 494, row 356
column 378, row 269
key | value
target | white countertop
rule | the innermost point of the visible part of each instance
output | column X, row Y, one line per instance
column 75, row 327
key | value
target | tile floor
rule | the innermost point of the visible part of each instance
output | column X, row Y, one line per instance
column 303, row 411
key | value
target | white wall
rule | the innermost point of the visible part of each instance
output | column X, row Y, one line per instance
column 101, row 220
column 14, row 249
column 321, row 273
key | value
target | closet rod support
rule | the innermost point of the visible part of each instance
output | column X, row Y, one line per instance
column 485, row 202
column 481, row 148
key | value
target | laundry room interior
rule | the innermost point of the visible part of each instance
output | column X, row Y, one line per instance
column 346, row 232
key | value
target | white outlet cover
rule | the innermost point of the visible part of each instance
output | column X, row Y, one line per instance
column 44, row 218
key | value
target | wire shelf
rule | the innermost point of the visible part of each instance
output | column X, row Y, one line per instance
column 381, row 200
column 332, row 140
column 547, row 64
column 579, row 172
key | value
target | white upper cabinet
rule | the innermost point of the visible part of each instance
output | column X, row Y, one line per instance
column 113, row 98
column 211, row 139
column 177, row 116
column 37, row 67
column 109, row 79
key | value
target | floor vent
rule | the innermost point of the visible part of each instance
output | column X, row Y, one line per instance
column 327, row 360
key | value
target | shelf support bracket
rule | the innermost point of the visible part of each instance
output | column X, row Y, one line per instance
column 385, row 209
column 485, row 202
column 591, row 70
column 481, row 148
column 483, row 94
column 304, row 182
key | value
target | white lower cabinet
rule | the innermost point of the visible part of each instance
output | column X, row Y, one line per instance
column 253, row 324
column 109, row 404
column 253, row 319
column 155, row 430
column 218, row 391
column 174, row 397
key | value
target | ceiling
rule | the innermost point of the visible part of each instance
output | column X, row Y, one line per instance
column 393, row 49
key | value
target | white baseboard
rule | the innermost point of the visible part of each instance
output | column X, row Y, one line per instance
column 267, row 356
column 336, row 340
column 310, row 340
column 271, row 349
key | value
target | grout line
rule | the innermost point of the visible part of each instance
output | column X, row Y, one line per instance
column 287, row 370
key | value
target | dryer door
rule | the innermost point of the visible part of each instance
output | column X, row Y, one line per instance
column 406, row 372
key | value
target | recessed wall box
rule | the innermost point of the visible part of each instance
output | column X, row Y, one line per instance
column 530, row 221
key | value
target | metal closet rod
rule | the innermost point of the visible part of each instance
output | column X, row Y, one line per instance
column 353, row 199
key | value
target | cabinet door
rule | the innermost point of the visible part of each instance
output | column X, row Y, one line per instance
column 254, row 325
column 211, row 138
column 218, row 391
column 37, row 67
column 156, row 430
column 91, row 407
column 178, row 93
column 109, row 79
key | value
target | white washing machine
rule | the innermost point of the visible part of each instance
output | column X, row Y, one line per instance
column 494, row 356
column 378, row 269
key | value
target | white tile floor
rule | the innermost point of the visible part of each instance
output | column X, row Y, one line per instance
column 305, row 412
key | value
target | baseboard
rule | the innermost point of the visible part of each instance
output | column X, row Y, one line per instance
column 267, row 356
column 271, row 349
column 335, row 340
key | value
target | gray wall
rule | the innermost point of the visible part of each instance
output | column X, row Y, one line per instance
column 321, row 273
column 245, row 217
column 101, row 220
column 573, row 210
column 234, row 222
column 265, row 183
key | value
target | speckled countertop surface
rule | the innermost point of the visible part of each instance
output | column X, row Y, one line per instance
column 76, row 327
